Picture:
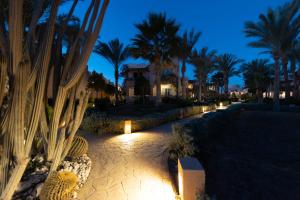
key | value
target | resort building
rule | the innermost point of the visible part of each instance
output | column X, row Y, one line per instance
column 169, row 79
column 270, row 91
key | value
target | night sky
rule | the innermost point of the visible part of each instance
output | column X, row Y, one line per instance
column 220, row 21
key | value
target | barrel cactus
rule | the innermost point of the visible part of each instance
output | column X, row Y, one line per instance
column 59, row 186
column 79, row 147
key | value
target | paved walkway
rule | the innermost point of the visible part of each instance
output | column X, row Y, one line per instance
column 130, row 167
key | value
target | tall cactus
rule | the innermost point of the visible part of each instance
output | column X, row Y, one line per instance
column 26, row 48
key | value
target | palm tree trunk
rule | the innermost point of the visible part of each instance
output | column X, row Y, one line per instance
column 293, row 71
column 276, row 105
column 286, row 77
column 183, row 69
column 226, row 83
column 158, row 87
column 117, row 84
column 200, row 91
column 178, row 88
column 259, row 96
column 204, row 88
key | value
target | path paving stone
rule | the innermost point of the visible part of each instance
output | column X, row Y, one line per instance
column 130, row 167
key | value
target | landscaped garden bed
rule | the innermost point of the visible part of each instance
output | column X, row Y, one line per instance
column 248, row 152
column 102, row 123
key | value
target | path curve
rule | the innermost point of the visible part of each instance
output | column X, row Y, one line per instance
column 130, row 167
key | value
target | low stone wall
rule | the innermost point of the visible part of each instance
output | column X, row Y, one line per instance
column 102, row 124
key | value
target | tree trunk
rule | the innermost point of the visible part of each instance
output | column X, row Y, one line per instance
column 158, row 87
column 276, row 105
column 178, row 88
column 204, row 88
column 199, row 91
column 183, row 69
column 117, row 85
column 226, row 83
column 293, row 72
column 259, row 96
column 286, row 77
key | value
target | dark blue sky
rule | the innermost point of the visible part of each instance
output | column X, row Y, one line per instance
column 220, row 21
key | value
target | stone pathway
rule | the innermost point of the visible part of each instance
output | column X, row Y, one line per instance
column 130, row 167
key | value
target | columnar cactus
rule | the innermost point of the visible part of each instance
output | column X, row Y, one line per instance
column 59, row 186
column 27, row 45
column 79, row 147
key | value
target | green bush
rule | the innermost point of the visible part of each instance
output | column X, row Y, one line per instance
column 177, row 101
column 90, row 122
column 101, row 123
column 181, row 144
column 102, row 104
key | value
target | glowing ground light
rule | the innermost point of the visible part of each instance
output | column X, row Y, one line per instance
column 127, row 127
column 155, row 188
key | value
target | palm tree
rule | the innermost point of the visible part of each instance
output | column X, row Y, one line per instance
column 217, row 80
column 226, row 64
column 204, row 63
column 257, row 76
column 187, row 43
column 97, row 83
column 274, row 31
column 157, row 42
column 116, row 53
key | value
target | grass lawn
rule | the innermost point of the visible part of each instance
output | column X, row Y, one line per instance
column 257, row 157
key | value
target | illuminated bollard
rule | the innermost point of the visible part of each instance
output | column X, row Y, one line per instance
column 127, row 127
column 221, row 105
column 191, row 178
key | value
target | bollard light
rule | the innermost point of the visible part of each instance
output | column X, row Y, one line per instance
column 127, row 127
column 191, row 178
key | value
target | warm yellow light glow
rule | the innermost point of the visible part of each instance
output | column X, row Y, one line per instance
column 150, row 182
column 180, row 183
column 62, row 124
column 203, row 109
column 127, row 127
column 154, row 187
column 221, row 104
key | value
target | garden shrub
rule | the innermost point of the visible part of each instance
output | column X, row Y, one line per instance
column 90, row 122
column 102, row 104
column 102, row 123
column 201, row 196
column 181, row 144
column 177, row 101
